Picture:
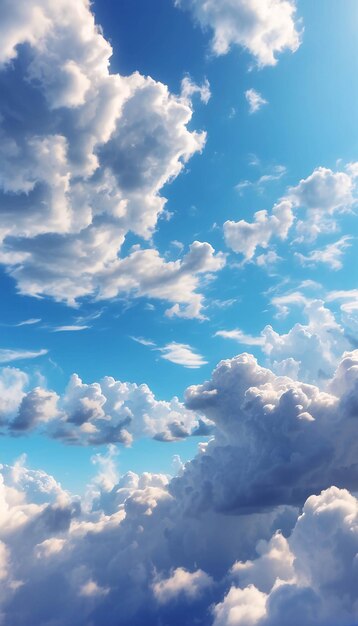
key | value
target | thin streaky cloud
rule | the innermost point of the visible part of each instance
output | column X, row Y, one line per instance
column 8, row 355
column 69, row 328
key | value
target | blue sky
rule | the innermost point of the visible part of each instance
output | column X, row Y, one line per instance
column 178, row 185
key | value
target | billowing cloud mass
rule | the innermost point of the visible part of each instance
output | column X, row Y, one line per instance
column 265, row 28
column 109, row 411
column 283, row 540
column 88, row 166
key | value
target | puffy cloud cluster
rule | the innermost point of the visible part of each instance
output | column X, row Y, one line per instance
column 264, row 28
column 109, row 411
column 308, row 352
column 84, row 155
column 312, row 207
column 219, row 544
column 323, row 195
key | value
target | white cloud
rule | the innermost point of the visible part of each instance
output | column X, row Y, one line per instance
column 181, row 582
column 189, row 88
column 89, row 167
column 310, row 351
column 13, row 385
column 240, row 336
column 275, row 173
column 265, row 28
column 29, row 322
column 323, row 195
column 7, row 355
column 70, row 328
column 144, row 342
column 255, row 100
column 240, row 607
column 245, row 237
column 330, row 255
column 182, row 354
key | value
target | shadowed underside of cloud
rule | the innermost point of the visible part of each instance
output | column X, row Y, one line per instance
column 84, row 155
column 250, row 533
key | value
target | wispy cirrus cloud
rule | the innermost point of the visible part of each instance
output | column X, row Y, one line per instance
column 9, row 355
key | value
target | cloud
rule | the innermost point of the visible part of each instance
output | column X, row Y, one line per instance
column 179, row 353
column 275, row 173
column 13, row 383
column 182, row 354
column 181, row 582
column 245, row 237
column 7, row 355
column 255, row 100
column 144, row 342
column 29, row 322
column 70, row 328
column 264, row 29
column 308, row 352
column 189, row 88
column 240, row 336
column 330, row 255
column 241, row 607
column 311, row 572
column 84, row 155
column 323, row 195
column 106, row 412
column 250, row 532
column 299, row 439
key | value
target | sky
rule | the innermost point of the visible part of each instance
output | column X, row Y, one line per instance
column 179, row 312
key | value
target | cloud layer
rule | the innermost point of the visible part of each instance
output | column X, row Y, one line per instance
column 235, row 539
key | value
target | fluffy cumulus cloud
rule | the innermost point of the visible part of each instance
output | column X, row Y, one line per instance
column 309, row 351
column 105, row 412
column 88, row 166
column 246, row 237
column 265, row 28
column 308, row 578
column 310, row 209
column 250, row 533
column 322, row 196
